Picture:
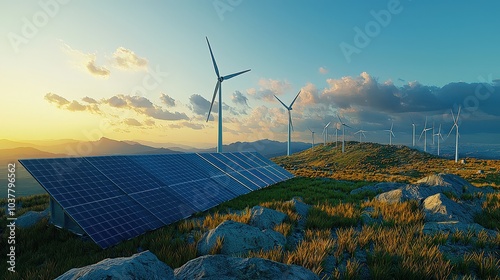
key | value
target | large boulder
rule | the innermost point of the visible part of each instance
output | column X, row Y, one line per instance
column 265, row 218
column 239, row 238
column 221, row 267
column 446, row 180
column 31, row 218
column 453, row 226
column 300, row 207
column 439, row 208
column 144, row 265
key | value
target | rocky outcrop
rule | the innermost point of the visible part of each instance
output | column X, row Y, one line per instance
column 144, row 265
column 265, row 218
column 300, row 207
column 221, row 267
column 379, row 188
column 31, row 218
column 439, row 208
column 239, row 238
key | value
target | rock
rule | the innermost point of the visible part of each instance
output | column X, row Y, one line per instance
column 265, row 218
column 300, row 207
column 366, row 216
column 393, row 196
column 239, row 239
column 31, row 218
column 439, row 208
column 379, row 188
column 480, row 171
column 450, row 182
column 221, row 267
column 144, row 265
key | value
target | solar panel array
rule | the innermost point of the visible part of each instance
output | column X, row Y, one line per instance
column 115, row 198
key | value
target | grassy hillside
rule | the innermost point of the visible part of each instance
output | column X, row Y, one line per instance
column 383, row 163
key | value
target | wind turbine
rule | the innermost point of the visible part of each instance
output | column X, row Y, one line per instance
column 290, row 125
column 343, row 133
column 433, row 133
column 391, row 134
column 218, row 86
column 413, row 135
column 438, row 136
column 424, row 132
column 361, row 133
column 325, row 133
column 312, row 133
column 455, row 124
column 336, row 136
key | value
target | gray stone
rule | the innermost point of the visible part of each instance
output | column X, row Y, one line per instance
column 451, row 227
column 447, row 182
column 31, row 218
column 144, row 265
column 265, row 218
column 393, row 196
column 221, row 267
column 379, row 188
column 300, row 207
column 439, row 208
column 239, row 239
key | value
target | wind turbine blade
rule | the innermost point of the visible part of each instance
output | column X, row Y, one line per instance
column 310, row 130
column 453, row 116
column 290, row 119
column 347, row 125
column 340, row 119
column 291, row 104
column 450, row 131
column 328, row 124
column 458, row 114
column 421, row 135
column 213, row 59
column 235, row 74
column 425, row 125
column 392, row 126
column 213, row 99
column 393, row 134
column 281, row 102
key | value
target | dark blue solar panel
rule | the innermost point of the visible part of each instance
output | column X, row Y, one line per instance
column 125, row 173
column 228, row 162
column 282, row 171
column 254, row 179
column 270, row 174
column 254, row 163
column 243, row 163
column 231, row 184
column 113, row 220
column 203, row 165
column 255, row 158
column 171, row 169
column 276, row 173
column 164, row 205
column 71, row 181
column 268, row 181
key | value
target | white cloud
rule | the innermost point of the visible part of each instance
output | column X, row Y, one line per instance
column 126, row 59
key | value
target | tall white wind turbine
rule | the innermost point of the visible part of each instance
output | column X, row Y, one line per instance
column 424, row 132
column 455, row 125
column 343, row 133
column 391, row 134
column 290, row 125
column 312, row 133
column 325, row 133
column 438, row 135
column 413, row 135
column 361, row 133
column 336, row 136
column 218, row 86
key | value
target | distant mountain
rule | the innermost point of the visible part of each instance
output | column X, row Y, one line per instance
column 11, row 155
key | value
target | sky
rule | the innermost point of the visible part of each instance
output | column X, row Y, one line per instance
column 135, row 70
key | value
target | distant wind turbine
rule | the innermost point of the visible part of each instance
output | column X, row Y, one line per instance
column 312, row 133
column 361, row 133
column 336, row 135
column 413, row 135
column 424, row 132
column 391, row 134
column 438, row 135
column 433, row 133
column 290, row 125
column 218, row 86
column 455, row 125
column 325, row 133
column 343, row 133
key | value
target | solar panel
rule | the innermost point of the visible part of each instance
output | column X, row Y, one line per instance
column 112, row 220
column 114, row 198
column 125, row 173
column 71, row 181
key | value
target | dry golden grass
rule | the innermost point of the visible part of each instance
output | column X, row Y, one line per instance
column 347, row 240
column 403, row 213
column 486, row 266
column 352, row 270
column 217, row 248
column 283, row 228
column 212, row 221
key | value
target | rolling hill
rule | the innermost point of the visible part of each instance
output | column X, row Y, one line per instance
column 384, row 163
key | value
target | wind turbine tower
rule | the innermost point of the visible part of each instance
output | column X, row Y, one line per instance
column 290, row 126
column 218, row 87
column 413, row 135
column 312, row 133
column 361, row 133
column 438, row 135
column 325, row 133
column 424, row 132
column 343, row 133
column 455, row 125
column 391, row 134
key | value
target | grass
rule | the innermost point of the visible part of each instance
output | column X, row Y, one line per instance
column 490, row 217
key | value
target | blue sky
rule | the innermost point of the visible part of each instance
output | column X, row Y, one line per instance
column 89, row 68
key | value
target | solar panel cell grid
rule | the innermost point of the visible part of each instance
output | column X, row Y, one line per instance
column 231, row 184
